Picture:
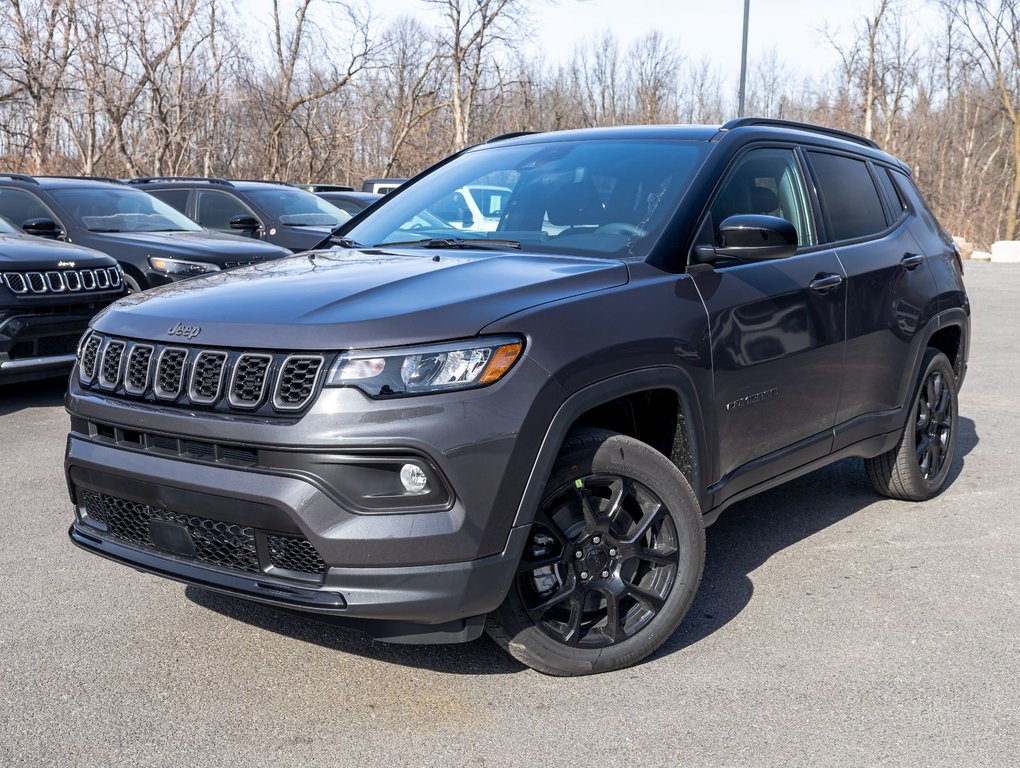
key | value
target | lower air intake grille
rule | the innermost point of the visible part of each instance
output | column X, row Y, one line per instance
column 226, row 545
column 294, row 554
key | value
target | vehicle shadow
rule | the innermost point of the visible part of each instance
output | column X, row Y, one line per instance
column 32, row 394
column 752, row 531
column 745, row 536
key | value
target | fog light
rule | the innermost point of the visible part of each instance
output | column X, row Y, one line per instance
column 414, row 479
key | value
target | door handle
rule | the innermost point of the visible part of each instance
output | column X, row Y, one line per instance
column 911, row 260
column 823, row 283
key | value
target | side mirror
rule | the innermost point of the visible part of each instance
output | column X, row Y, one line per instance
column 244, row 221
column 42, row 228
column 755, row 237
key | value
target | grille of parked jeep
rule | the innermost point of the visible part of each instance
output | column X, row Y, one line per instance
column 190, row 376
column 62, row 281
column 226, row 545
column 47, row 346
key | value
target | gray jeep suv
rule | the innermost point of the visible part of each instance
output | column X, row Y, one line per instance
column 425, row 432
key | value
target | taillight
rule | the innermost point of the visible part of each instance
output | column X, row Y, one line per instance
column 959, row 257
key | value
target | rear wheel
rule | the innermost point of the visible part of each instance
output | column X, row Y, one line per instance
column 916, row 469
column 614, row 558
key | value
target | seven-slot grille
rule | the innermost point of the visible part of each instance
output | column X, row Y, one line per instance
column 227, row 545
column 220, row 379
column 62, row 281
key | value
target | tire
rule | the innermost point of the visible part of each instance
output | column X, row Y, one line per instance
column 917, row 468
column 132, row 284
column 633, row 519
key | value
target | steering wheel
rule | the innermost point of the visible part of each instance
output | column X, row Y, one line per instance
column 621, row 228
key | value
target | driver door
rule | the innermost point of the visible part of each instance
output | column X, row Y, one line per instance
column 777, row 330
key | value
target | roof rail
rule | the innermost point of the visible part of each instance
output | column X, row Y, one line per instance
column 740, row 122
column 266, row 181
column 19, row 177
column 109, row 179
column 511, row 135
column 209, row 179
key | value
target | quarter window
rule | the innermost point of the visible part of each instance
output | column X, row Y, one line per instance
column 848, row 195
column 766, row 181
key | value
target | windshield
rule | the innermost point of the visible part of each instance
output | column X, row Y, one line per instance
column 297, row 208
column 102, row 209
column 590, row 198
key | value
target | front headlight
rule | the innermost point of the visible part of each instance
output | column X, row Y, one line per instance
column 433, row 368
column 181, row 267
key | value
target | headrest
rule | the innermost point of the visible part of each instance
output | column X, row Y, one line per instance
column 764, row 200
column 575, row 204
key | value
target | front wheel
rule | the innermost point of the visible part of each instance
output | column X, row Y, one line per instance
column 613, row 561
column 917, row 468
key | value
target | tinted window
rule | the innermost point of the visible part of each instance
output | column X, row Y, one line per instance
column 215, row 209
column 178, row 198
column 18, row 206
column 110, row 209
column 897, row 205
column 593, row 198
column 297, row 208
column 766, row 181
column 849, row 198
column 907, row 189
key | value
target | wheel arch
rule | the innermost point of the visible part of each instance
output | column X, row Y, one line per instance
column 689, row 428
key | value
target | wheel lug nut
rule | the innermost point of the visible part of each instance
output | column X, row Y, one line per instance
column 596, row 539
column 579, row 554
column 584, row 575
column 605, row 574
column 612, row 551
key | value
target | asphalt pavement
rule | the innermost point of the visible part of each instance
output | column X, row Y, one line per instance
column 833, row 628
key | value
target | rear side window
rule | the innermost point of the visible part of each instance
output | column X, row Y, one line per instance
column 897, row 205
column 178, row 198
column 850, row 201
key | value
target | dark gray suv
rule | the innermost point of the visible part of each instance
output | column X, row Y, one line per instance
column 424, row 432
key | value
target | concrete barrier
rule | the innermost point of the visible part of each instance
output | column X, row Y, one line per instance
column 1006, row 251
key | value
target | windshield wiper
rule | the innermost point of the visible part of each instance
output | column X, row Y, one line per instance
column 102, row 229
column 455, row 242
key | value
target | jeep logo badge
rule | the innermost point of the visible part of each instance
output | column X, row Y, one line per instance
column 65, row 265
column 187, row 331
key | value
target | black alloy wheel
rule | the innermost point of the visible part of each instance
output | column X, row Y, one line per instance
column 934, row 425
column 601, row 561
column 612, row 563
column 918, row 466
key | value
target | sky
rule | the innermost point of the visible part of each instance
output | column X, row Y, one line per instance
column 704, row 28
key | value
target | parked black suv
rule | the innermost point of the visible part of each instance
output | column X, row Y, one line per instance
column 153, row 243
column 48, row 294
column 425, row 430
column 274, row 211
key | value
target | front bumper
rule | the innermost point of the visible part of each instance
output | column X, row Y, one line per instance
column 39, row 346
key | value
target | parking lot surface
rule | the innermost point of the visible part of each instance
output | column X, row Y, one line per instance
column 833, row 628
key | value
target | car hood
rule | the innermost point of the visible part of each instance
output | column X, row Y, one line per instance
column 24, row 252
column 357, row 299
column 213, row 247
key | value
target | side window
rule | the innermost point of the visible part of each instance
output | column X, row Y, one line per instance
column 215, row 209
column 766, row 181
column 907, row 190
column 18, row 206
column 175, row 198
column 849, row 198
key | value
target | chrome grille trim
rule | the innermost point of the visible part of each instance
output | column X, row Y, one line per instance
column 55, row 282
column 282, row 403
column 240, row 401
column 16, row 282
column 138, row 351
column 204, row 360
column 63, row 281
column 162, row 364
column 112, row 358
column 89, row 357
